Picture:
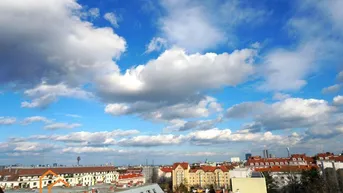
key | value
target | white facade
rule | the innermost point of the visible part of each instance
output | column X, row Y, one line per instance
column 330, row 164
column 76, row 179
column 235, row 159
column 240, row 173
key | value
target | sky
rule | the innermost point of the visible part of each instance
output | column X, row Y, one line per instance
column 168, row 80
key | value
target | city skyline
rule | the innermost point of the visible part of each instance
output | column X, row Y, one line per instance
column 168, row 80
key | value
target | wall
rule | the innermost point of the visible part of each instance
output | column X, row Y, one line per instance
column 249, row 185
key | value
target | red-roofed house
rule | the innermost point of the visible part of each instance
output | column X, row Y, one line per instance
column 165, row 173
column 75, row 176
column 131, row 179
column 201, row 176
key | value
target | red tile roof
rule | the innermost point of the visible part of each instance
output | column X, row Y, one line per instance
column 62, row 170
column 166, row 169
column 184, row 165
column 128, row 176
column 209, row 168
column 285, row 168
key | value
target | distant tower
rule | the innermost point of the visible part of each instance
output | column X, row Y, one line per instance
column 78, row 160
column 288, row 152
column 247, row 156
column 265, row 153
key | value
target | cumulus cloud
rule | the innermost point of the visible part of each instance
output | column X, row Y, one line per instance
column 286, row 114
column 187, row 22
column 59, row 47
column 182, row 125
column 280, row 96
column 156, row 44
column 44, row 94
column 55, row 126
column 112, row 18
column 316, row 46
column 216, row 135
column 94, row 138
column 150, row 141
column 29, row 120
column 245, row 109
column 155, row 111
column 338, row 100
column 175, row 76
column 331, row 89
column 7, row 120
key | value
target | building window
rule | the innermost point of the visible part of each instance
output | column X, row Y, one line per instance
column 154, row 190
column 34, row 183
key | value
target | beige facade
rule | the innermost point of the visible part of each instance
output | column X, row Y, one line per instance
column 180, row 175
column 249, row 185
column 200, row 178
column 203, row 176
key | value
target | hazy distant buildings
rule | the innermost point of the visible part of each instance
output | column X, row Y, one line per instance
column 235, row 159
column 247, row 156
column 265, row 153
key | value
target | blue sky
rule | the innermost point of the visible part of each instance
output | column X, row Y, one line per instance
column 168, row 80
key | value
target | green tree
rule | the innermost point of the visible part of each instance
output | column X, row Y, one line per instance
column 181, row 189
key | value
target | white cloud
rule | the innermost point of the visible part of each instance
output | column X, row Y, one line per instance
column 154, row 111
column 216, row 135
column 287, row 69
column 245, row 109
column 181, row 125
column 87, row 149
column 187, row 22
column 59, row 48
column 156, row 44
column 289, row 113
column 44, row 94
column 30, row 120
column 94, row 12
column 149, row 141
column 55, row 126
column 7, row 120
column 95, row 138
column 176, row 76
column 280, row 96
column 112, row 18
column 338, row 100
column 332, row 89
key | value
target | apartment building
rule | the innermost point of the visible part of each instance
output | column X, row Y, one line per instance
column 130, row 179
column 201, row 176
column 294, row 159
column 76, row 176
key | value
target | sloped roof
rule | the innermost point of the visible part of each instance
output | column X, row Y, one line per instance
column 184, row 165
column 61, row 170
column 298, row 168
column 166, row 169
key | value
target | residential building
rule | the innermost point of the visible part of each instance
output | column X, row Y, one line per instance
column 75, row 176
column 283, row 175
column 130, row 179
column 255, row 183
column 294, row 159
column 240, row 172
column 235, row 159
column 202, row 176
column 150, row 173
column 165, row 174
column 180, row 173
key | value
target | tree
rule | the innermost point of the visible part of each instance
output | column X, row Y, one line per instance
column 181, row 189
column 270, row 182
column 212, row 189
